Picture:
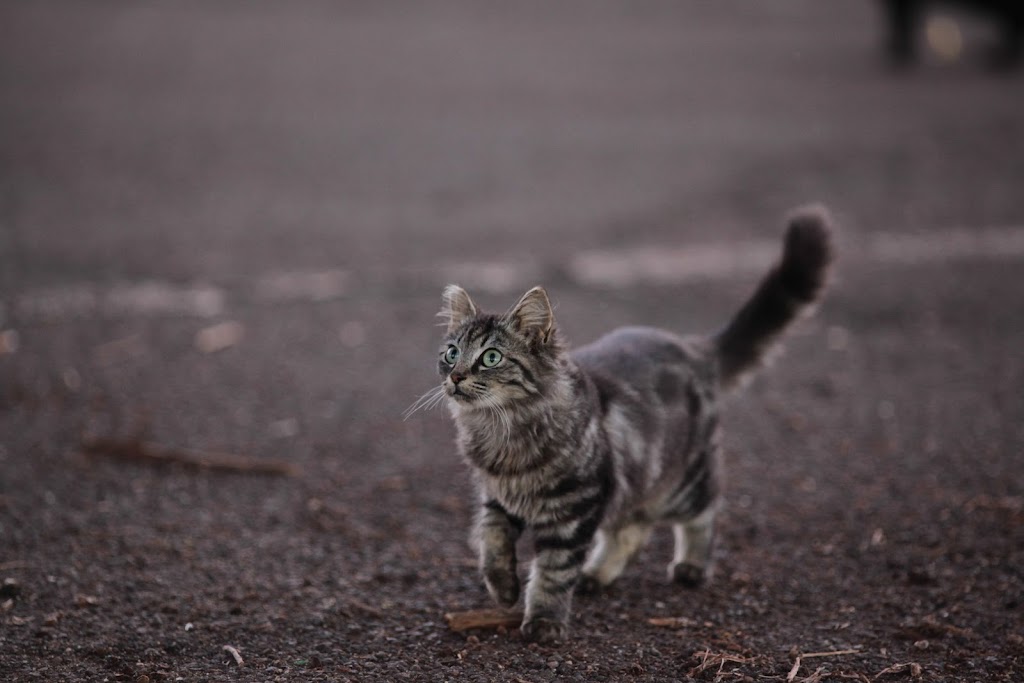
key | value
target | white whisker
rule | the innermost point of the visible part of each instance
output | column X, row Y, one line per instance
column 426, row 401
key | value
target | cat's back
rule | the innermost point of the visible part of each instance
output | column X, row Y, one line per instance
column 632, row 348
column 646, row 359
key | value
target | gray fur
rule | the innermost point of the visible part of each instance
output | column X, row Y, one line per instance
column 591, row 449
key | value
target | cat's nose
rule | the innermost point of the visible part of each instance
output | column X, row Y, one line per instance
column 456, row 377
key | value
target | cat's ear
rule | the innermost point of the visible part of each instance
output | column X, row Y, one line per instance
column 533, row 315
column 456, row 307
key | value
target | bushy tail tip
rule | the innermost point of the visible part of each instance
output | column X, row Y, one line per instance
column 807, row 252
column 787, row 291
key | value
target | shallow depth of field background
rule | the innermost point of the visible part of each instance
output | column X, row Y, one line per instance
column 225, row 228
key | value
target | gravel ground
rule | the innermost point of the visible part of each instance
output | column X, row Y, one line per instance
column 355, row 155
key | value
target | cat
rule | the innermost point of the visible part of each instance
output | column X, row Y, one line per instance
column 590, row 449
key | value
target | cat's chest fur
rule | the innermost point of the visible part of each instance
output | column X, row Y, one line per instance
column 520, row 459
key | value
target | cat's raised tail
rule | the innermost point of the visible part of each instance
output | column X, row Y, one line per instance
column 791, row 289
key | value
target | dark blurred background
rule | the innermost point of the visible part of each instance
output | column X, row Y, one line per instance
column 220, row 142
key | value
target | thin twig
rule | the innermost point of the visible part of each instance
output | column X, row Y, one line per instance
column 831, row 653
column 913, row 667
column 233, row 651
column 361, row 606
column 810, row 655
column 14, row 564
column 792, row 672
column 148, row 452
column 710, row 659
column 672, row 622
column 814, row 677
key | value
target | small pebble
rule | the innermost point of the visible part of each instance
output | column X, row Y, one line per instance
column 10, row 588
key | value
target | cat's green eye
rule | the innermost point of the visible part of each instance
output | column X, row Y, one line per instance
column 490, row 358
column 451, row 355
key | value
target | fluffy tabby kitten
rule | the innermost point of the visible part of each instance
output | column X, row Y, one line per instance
column 590, row 449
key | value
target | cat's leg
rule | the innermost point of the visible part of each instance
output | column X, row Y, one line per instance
column 691, row 560
column 613, row 551
column 496, row 534
column 556, row 570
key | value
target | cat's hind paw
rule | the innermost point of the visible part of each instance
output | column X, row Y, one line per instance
column 689, row 575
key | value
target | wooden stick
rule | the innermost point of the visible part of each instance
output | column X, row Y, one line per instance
column 234, row 653
column 793, row 671
column 483, row 618
column 832, row 653
column 672, row 622
column 148, row 452
column 14, row 564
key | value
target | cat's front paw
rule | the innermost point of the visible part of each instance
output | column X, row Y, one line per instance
column 503, row 587
column 687, row 574
column 543, row 630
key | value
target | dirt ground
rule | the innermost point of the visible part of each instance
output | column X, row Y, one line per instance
column 226, row 229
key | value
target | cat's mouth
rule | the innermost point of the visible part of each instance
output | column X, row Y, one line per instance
column 460, row 395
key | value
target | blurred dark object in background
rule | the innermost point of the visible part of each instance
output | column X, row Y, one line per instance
column 905, row 17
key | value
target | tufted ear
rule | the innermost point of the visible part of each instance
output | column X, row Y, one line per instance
column 533, row 315
column 456, row 306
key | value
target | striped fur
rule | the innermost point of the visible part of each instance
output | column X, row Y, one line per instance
column 589, row 450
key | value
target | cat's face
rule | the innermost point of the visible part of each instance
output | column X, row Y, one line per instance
column 490, row 361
